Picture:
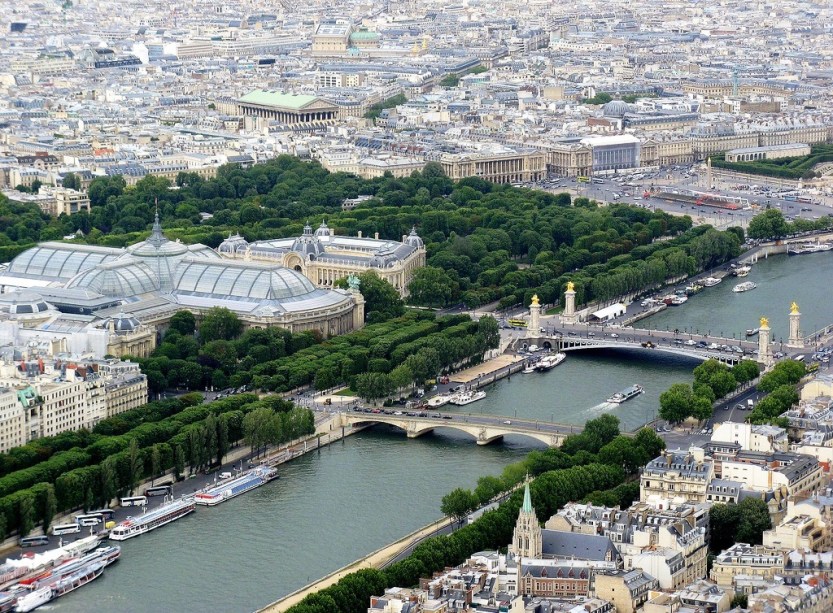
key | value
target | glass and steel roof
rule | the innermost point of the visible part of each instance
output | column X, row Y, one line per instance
column 125, row 278
column 59, row 261
column 240, row 280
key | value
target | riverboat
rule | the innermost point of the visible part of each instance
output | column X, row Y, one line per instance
column 694, row 288
column 227, row 489
column 626, row 394
column 742, row 271
column 744, row 287
column 752, row 331
column 678, row 300
column 712, row 281
column 80, row 578
column 805, row 248
column 440, row 400
column 530, row 367
column 548, row 362
column 33, row 600
column 151, row 520
column 467, row 397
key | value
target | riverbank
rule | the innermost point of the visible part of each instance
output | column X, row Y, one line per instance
column 378, row 559
column 489, row 371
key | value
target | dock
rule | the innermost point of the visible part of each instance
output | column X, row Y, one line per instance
column 490, row 371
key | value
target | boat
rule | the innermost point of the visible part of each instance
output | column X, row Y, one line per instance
column 438, row 401
column 108, row 554
column 804, row 248
column 158, row 517
column 80, row 578
column 752, row 331
column 626, row 394
column 548, row 362
column 34, row 599
column 227, row 489
column 744, row 287
column 694, row 288
column 530, row 368
column 712, row 281
column 678, row 300
column 742, row 271
column 467, row 397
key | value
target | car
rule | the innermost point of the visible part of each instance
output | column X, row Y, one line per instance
column 591, row 333
column 714, row 346
column 397, row 412
column 436, row 416
column 447, row 417
column 690, row 343
column 507, row 422
column 740, row 407
column 614, row 335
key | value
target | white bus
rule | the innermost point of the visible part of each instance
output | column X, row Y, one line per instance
column 34, row 541
column 134, row 501
column 66, row 529
column 88, row 519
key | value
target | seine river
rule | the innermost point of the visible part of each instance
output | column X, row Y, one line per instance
column 336, row 505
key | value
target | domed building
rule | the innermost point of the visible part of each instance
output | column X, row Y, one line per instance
column 616, row 108
column 324, row 258
column 109, row 300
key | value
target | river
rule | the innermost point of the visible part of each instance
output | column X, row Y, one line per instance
column 336, row 505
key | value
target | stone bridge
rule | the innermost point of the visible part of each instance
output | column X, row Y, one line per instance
column 484, row 429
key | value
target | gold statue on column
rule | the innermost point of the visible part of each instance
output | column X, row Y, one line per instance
column 571, row 286
column 535, row 301
column 764, row 322
column 794, row 308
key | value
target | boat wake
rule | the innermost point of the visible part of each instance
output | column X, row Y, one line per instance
column 601, row 407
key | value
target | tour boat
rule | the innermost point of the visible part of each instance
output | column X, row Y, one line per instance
column 712, row 281
column 548, row 362
column 530, row 368
column 804, row 248
column 227, row 489
column 744, row 287
column 34, row 599
column 80, row 578
column 626, row 394
column 743, row 271
column 752, row 331
column 467, row 397
column 161, row 515
column 440, row 400
column 678, row 300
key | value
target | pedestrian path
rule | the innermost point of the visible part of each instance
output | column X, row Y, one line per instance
column 486, row 368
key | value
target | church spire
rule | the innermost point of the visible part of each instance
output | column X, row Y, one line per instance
column 527, row 505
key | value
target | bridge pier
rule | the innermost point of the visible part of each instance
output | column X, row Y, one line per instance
column 483, row 440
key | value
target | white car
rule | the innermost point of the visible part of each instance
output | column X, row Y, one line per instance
column 690, row 343
column 614, row 335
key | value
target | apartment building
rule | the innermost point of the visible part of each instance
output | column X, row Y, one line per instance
column 741, row 559
column 677, row 475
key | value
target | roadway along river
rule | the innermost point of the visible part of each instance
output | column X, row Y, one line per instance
column 332, row 507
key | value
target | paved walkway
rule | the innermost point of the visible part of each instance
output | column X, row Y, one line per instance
column 486, row 368
column 377, row 559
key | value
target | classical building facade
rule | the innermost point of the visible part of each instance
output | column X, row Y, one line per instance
column 324, row 258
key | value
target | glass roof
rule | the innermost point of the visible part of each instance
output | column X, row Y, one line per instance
column 240, row 280
column 57, row 261
column 123, row 279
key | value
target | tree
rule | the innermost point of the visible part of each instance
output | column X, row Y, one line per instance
column 767, row 225
column 108, row 475
column 155, row 463
column 489, row 330
column 745, row 371
column 458, row 504
column 739, row 601
column 72, row 181
column 744, row 522
column 36, row 185
column 220, row 323
column 650, row 442
column 625, row 452
column 183, row 322
column 786, row 372
column 431, row 287
column 373, row 385
column 26, row 512
column 135, row 464
column 49, row 506
column 716, row 376
column 676, row 403
column 381, row 300
column 179, row 462
column 222, row 437
column 257, row 428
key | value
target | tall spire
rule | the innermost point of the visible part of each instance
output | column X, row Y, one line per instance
column 527, row 505
column 156, row 237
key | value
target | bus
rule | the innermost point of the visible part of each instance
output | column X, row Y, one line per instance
column 89, row 519
column 105, row 514
column 159, row 490
column 66, row 529
column 133, row 501
column 597, row 181
column 517, row 323
column 583, row 179
column 804, row 200
column 34, row 541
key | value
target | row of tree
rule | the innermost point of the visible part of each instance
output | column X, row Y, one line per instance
column 712, row 380
column 198, row 436
column 771, row 225
column 780, row 386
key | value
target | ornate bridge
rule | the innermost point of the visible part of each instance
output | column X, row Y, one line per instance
column 484, row 428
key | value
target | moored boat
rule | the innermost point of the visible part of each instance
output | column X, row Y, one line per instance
column 752, row 331
column 227, row 489
column 158, row 517
column 712, row 281
column 467, row 397
column 438, row 401
column 742, row 271
column 694, row 288
column 678, row 300
column 33, row 600
column 80, row 578
column 626, row 394
column 530, row 368
column 744, row 287
column 548, row 362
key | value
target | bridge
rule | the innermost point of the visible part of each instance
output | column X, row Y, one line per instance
column 578, row 337
column 485, row 429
